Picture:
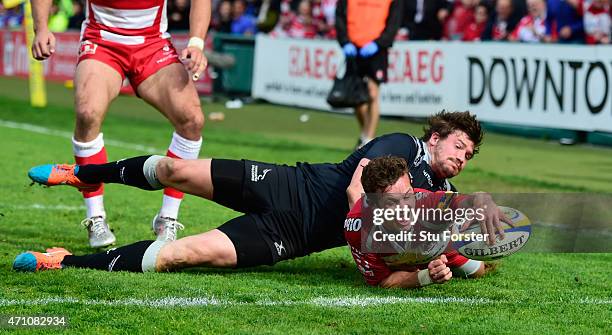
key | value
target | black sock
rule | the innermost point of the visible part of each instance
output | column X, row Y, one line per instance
column 128, row 171
column 127, row 258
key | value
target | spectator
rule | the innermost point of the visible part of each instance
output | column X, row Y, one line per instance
column 284, row 21
column 502, row 23
column 597, row 23
column 78, row 16
column 460, row 18
column 365, row 31
column 178, row 15
column 3, row 16
column 424, row 18
column 568, row 16
column 535, row 27
column 302, row 25
column 222, row 20
column 268, row 15
column 252, row 7
column 475, row 29
column 242, row 23
column 324, row 14
column 11, row 18
column 61, row 11
column 520, row 8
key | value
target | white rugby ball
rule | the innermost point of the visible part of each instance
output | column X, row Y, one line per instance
column 516, row 238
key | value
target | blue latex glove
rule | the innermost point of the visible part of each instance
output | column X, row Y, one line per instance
column 349, row 50
column 368, row 50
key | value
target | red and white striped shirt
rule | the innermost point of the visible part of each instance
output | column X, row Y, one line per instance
column 128, row 22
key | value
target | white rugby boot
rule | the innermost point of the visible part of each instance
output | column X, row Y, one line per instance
column 165, row 228
column 99, row 233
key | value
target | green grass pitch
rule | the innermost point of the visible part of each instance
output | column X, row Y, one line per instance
column 322, row 293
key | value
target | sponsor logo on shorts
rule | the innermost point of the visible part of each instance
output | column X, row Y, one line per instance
column 255, row 176
column 165, row 58
column 280, row 248
column 87, row 48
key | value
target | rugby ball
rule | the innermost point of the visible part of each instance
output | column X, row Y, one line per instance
column 473, row 247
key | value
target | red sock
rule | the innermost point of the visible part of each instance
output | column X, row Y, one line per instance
column 98, row 158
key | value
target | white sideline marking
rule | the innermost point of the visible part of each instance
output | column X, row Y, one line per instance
column 64, row 134
column 212, row 301
column 44, row 207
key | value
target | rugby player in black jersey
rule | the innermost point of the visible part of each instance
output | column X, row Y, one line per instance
column 289, row 211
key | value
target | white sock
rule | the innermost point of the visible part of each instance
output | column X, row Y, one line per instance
column 184, row 149
column 88, row 149
column 170, row 207
column 95, row 206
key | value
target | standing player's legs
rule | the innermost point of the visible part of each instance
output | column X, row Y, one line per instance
column 172, row 92
column 368, row 114
column 374, row 68
column 373, row 110
column 96, row 85
column 361, row 112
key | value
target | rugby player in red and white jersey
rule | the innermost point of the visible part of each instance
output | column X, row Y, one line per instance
column 404, row 267
column 127, row 39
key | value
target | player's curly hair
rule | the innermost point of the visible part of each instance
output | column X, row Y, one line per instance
column 445, row 123
column 382, row 172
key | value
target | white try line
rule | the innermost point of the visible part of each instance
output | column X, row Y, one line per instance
column 357, row 301
column 212, row 301
column 43, row 207
column 64, row 134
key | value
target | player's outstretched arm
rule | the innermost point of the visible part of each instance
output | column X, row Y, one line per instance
column 199, row 20
column 492, row 215
column 436, row 273
column 355, row 189
column 43, row 45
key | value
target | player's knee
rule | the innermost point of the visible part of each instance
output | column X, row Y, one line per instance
column 191, row 125
column 165, row 170
column 170, row 257
column 182, row 254
column 87, row 115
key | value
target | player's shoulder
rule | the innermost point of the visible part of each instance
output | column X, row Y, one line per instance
column 353, row 224
column 355, row 211
column 398, row 144
column 399, row 137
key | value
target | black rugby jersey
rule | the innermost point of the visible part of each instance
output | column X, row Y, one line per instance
column 322, row 187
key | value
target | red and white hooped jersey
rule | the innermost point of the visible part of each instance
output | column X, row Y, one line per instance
column 375, row 267
column 127, row 22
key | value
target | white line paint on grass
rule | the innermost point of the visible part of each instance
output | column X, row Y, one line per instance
column 43, row 207
column 357, row 301
column 64, row 134
column 212, row 301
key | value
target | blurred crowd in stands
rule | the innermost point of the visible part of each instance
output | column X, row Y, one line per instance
column 535, row 21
